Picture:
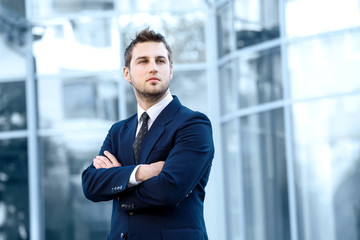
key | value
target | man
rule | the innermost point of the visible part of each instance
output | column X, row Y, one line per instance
column 154, row 165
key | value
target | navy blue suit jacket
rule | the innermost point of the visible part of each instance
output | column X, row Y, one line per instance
column 170, row 205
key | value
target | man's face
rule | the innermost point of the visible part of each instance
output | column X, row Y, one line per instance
column 149, row 71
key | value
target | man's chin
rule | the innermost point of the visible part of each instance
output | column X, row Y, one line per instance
column 153, row 94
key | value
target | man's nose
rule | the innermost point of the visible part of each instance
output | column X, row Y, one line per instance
column 153, row 67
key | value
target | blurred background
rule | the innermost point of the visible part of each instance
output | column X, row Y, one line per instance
column 280, row 80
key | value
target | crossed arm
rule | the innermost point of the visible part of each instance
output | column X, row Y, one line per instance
column 188, row 164
column 143, row 173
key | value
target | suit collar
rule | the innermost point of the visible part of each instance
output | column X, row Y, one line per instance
column 155, row 110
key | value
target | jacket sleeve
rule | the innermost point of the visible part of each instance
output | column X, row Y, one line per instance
column 187, row 163
column 106, row 183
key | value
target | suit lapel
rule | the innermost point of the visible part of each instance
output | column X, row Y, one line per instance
column 158, row 128
column 126, row 140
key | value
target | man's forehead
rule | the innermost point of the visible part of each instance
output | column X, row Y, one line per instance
column 149, row 50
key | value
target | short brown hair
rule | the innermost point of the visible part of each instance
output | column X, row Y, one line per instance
column 145, row 35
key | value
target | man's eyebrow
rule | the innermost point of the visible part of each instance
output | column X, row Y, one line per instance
column 145, row 57
column 141, row 57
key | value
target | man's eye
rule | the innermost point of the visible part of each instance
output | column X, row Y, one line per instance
column 143, row 61
column 161, row 61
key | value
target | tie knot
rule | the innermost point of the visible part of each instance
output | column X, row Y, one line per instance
column 144, row 117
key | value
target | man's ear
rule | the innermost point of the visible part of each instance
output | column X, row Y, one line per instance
column 171, row 72
column 126, row 72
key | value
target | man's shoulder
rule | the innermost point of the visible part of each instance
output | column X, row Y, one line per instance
column 189, row 114
column 123, row 123
column 185, row 111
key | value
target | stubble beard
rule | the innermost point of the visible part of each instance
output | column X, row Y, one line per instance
column 150, row 96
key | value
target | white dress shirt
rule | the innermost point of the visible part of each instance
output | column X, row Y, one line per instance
column 153, row 113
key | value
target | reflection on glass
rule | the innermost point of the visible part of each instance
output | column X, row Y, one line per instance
column 255, row 21
column 262, row 144
column 14, row 194
column 131, row 103
column 12, row 64
column 225, row 28
column 80, row 45
column 191, row 89
column 228, row 89
column 323, row 66
column 156, row 5
column 49, row 8
column 232, row 166
column 184, row 32
column 15, row 6
column 68, row 214
column 327, row 160
column 260, row 78
column 12, row 106
column 321, row 16
column 77, row 103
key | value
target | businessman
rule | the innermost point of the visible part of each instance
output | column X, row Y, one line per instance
column 155, row 165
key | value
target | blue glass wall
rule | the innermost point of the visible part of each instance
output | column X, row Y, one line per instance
column 279, row 79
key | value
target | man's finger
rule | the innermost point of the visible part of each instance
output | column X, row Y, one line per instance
column 159, row 164
column 104, row 162
column 96, row 163
column 112, row 158
column 101, row 158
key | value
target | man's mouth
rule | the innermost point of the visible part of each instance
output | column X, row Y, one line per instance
column 153, row 79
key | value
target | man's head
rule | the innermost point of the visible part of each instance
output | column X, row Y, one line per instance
column 146, row 35
column 148, row 67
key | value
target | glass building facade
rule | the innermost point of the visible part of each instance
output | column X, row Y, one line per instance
column 279, row 79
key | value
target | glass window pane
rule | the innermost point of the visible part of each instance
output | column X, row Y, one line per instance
column 45, row 8
column 74, row 217
column 255, row 21
column 264, row 173
column 225, row 29
column 232, row 167
column 15, row 6
column 131, row 103
column 323, row 66
column 260, row 78
column 14, row 193
column 12, row 64
column 321, row 16
column 191, row 88
column 156, row 5
column 12, row 106
column 327, row 160
column 184, row 32
column 80, row 45
column 78, row 103
column 228, row 88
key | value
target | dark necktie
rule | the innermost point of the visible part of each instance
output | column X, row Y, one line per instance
column 141, row 135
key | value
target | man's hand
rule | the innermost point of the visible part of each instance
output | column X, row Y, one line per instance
column 147, row 171
column 106, row 162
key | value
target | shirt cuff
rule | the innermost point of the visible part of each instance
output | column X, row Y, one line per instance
column 132, row 179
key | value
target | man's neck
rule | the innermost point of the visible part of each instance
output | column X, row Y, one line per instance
column 146, row 103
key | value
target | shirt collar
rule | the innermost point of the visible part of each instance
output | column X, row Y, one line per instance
column 156, row 109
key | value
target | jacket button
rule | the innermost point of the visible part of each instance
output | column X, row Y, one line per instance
column 122, row 235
